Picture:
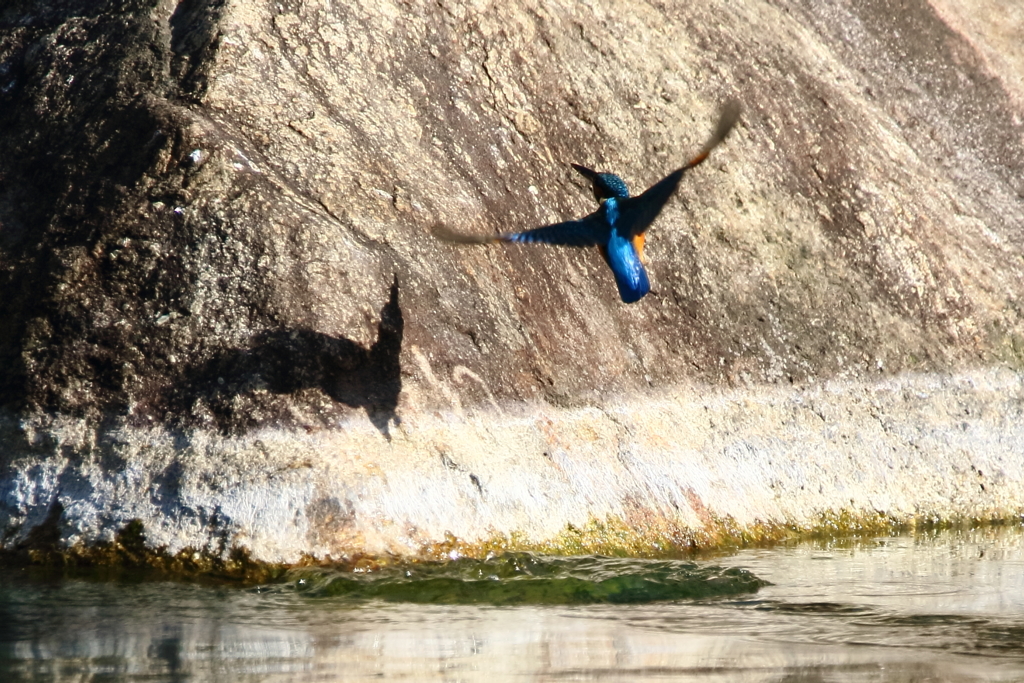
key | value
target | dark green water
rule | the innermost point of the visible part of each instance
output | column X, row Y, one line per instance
column 935, row 607
column 527, row 579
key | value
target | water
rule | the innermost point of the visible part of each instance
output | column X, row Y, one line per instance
column 933, row 607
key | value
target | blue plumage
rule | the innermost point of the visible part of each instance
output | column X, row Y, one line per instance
column 582, row 233
column 622, row 257
column 605, row 184
column 612, row 228
column 619, row 224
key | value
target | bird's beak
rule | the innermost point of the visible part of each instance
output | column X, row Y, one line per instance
column 585, row 172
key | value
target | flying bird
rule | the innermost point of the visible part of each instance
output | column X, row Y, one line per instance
column 619, row 225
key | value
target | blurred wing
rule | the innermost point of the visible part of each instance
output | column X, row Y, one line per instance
column 585, row 232
column 443, row 232
column 637, row 213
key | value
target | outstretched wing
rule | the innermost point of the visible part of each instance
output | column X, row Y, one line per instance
column 585, row 232
column 443, row 232
column 637, row 213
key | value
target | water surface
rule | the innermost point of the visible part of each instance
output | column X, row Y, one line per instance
column 932, row 607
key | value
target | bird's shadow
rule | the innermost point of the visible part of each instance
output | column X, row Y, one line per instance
column 241, row 389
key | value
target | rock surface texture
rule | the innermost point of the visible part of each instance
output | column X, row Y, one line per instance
column 224, row 314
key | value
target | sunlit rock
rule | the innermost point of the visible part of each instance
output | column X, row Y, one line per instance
column 224, row 313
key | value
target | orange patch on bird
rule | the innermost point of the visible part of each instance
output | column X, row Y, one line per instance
column 699, row 158
column 638, row 244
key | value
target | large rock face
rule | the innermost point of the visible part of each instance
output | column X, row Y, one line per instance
column 215, row 235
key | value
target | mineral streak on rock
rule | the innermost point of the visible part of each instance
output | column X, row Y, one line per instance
column 223, row 312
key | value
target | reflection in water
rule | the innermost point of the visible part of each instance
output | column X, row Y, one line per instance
column 945, row 607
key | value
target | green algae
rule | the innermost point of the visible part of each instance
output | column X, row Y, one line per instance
column 614, row 536
column 130, row 556
column 527, row 578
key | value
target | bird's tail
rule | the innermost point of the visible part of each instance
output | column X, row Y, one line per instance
column 728, row 117
column 443, row 232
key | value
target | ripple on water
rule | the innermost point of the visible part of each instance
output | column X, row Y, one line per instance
column 946, row 606
column 526, row 578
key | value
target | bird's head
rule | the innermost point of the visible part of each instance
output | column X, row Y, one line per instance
column 605, row 184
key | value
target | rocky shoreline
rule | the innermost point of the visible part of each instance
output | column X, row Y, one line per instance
column 690, row 469
column 226, row 326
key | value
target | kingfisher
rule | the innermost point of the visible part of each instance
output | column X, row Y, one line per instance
column 619, row 225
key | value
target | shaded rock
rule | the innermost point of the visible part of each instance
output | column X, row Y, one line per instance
column 232, row 386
